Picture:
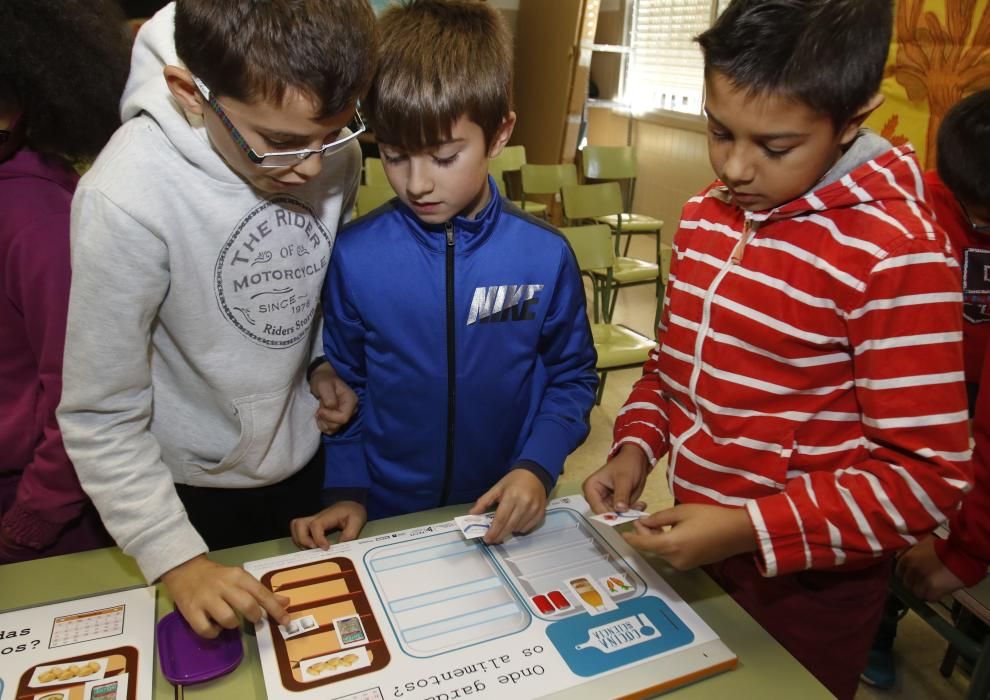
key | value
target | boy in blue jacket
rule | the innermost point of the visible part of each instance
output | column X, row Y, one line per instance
column 459, row 321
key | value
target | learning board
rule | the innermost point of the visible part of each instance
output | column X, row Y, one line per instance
column 427, row 614
column 95, row 648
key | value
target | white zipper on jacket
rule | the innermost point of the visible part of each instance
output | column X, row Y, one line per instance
column 749, row 230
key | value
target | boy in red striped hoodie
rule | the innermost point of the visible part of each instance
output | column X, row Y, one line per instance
column 808, row 381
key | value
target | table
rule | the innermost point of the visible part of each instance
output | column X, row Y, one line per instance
column 765, row 669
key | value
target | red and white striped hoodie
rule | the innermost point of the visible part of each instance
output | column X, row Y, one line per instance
column 810, row 369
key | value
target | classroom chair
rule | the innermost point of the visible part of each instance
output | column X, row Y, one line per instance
column 971, row 605
column 374, row 173
column 546, row 181
column 371, row 197
column 506, row 165
column 618, row 164
column 618, row 347
column 590, row 204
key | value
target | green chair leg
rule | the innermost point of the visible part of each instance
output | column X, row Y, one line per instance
column 601, row 387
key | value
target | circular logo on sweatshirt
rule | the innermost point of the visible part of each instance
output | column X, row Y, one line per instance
column 270, row 271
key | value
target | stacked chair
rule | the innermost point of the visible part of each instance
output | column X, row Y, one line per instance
column 546, row 181
column 618, row 347
column 508, row 163
column 618, row 164
column 584, row 204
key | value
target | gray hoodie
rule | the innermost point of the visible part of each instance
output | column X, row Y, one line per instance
column 193, row 316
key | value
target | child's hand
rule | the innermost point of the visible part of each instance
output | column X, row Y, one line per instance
column 924, row 574
column 347, row 516
column 522, row 501
column 618, row 485
column 697, row 534
column 210, row 596
column 337, row 400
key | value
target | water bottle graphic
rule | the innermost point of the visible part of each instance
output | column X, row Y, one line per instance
column 620, row 634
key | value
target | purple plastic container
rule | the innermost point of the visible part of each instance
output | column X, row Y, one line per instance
column 187, row 658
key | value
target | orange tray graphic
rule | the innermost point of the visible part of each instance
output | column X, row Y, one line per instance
column 118, row 660
column 328, row 590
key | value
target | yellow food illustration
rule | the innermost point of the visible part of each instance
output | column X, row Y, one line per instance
column 57, row 673
column 332, row 664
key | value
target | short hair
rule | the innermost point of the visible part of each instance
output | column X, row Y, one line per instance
column 963, row 157
column 65, row 64
column 828, row 54
column 440, row 60
column 253, row 50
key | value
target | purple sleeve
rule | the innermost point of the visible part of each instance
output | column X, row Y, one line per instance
column 36, row 280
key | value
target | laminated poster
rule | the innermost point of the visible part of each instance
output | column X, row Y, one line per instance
column 429, row 614
column 96, row 648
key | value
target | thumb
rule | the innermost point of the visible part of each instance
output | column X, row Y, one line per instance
column 622, row 491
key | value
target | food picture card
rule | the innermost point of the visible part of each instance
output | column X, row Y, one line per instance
column 435, row 613
column 94, row 648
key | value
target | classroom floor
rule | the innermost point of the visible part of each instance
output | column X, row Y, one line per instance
column 918, row 650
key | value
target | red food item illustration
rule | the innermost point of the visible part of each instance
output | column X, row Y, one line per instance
column 558, row 600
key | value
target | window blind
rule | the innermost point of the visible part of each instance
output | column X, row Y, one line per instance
column 665, row 68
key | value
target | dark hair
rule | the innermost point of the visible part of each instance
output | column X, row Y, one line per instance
column 963, row 159
column 829, row 54
column 253, row 50
column 65, row 62
column 441, row 59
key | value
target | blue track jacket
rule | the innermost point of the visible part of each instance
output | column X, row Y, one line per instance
column 468, row 346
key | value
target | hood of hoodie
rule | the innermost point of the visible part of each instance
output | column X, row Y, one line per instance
column 28, row 164
column 147, row 93
column 881, row 171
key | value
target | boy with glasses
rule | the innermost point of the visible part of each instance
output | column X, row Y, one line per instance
column 459, row 320
column 200, row 242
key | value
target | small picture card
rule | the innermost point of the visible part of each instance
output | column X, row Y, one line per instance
column 617, row 585
column 334, row 664
column 592, row 597
column 299, row 625
column 612, row 518
column 110, row 688
column 474, row 525
column 350, row 630
column 68, row 672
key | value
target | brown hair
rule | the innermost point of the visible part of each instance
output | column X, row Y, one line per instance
column 254, row 50
column 440, row 60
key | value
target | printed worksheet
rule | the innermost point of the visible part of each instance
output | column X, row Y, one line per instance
column 95, row 648
column 430, row 613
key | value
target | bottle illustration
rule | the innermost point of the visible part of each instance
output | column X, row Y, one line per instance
column 589, row 594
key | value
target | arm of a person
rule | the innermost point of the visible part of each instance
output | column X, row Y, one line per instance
column 120, row 277
column 966, row 552
column 905, row 331
column 640, row 433
column 343, row 345
column 567, row 352
column 37, row 282
column 338, row 402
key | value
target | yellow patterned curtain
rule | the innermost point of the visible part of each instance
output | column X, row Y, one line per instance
column 940, row 54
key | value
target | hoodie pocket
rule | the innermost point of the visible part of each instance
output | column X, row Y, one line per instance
column 275, row 439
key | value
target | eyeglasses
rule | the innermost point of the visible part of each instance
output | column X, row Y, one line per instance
column 280, row 159
column 979, row 228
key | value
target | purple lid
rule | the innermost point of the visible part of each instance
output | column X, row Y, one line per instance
column 187, row 658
